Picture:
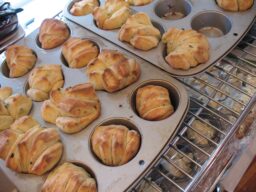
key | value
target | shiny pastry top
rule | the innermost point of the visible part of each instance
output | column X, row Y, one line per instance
column 139, row 32
column 20, row 60
column 153, row 102
column 12, row 107
column 112, row 71
column 69, row 178
column 73, row 108
column 185, row 48
column 139, row 2
column 44, row 79
column 115, row 144
column 28, row 148
column 83, row 7
column 235, row 5
column 112, row 15
column 53, row 33
column 79, row 52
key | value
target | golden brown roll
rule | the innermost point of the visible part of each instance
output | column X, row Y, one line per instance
column 112, row 15
column 53, row 33
column 185, row 48
column 72, row 109
column 112, row 71
column 12, row 107
column 44, row 79
column 139, row 32
column 115, row 144
column 235, row 5
column 139, row 2
column 83, row 7
column 69, row 178
column 79, row 52
column 34, row 151
column 153, row 102
column 20, row 60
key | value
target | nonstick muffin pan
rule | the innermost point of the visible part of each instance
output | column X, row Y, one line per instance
column 116, row 108
column 224, row 29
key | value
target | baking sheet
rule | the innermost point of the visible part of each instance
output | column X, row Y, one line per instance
column 219, row 47
column 155, row 135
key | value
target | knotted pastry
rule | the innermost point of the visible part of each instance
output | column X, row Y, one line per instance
column 139, row 2
column 115, row 144
column 44, row 79
column 235, row 5
column 79, row 52
column 12, row 107
column 72, row 109
column 112, row 71
column 185, row 48
column 28, row 148
column 69, row 178
column 153, row 102
column 112, row 15
column 20, row 60
column 83, row 7
column 139, row 32
column 53, row 33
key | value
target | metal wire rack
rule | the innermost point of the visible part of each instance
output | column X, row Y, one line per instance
column 218, row 98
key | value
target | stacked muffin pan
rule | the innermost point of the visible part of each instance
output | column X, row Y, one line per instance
column 229, row 27
column 116, row 108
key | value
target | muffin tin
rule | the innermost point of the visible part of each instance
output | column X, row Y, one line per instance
column 199, row 15
column 118, row 107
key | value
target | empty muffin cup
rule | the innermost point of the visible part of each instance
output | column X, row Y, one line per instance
column 109, row 141
column 172, row 9
column 211, row 24
column 173, row 97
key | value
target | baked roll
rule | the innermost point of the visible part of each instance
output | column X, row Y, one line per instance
column 73, row 108
column 235, row 5
column 20, row 60
column 69, row 178
column 83, row 7
column 44, row 79
column 79, row 52
column 139, row 32
column 185, row 48
column 112, row 15
column 12, row 107
column 153, row 102
column 34, row 151
column 115, row 145
column 112, row 71
column 53, row 33
column 139, row 2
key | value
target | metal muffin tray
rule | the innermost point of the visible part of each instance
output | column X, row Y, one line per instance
column 199, row 14
column 116, row 108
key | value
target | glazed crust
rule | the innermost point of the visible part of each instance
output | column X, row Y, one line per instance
column 31, row 149
column 139, row 32
column 20, row 60
column 153, row 102
column 83, row 7
column 79, row 52
column 115, row 144
column 235, row 5
column 112, row 71
column 139, row 2
column 44, row 79
column 69, row 178
column 72, row 109
column 112, row 15
column 53, row 33
column 185, row 48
